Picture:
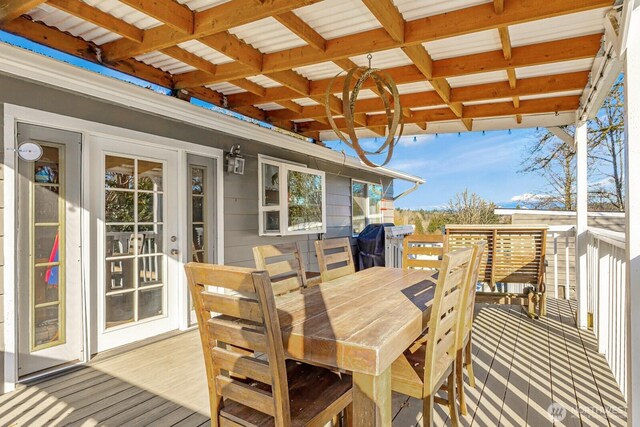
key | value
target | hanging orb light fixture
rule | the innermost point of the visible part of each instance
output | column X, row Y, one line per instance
column 388, row 92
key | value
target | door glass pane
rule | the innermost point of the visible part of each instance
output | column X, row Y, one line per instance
column 149, row 303
column 119, row 172
column 119, row 206
column 149, row 175
column 134, row 238
column 47, row 325
column 120, row 308
column 272, row 221
column 270, row 185
column 197, row 221
column 305, row 201
column 46, row 203
column 47, row 249
column 375, row 203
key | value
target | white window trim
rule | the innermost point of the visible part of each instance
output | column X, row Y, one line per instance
column 367, row 215
column 286, row 166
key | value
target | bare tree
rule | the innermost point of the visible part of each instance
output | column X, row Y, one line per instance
column 554, row 161
column 606, row 135
column 470, row 208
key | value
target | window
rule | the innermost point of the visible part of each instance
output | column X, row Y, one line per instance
column 366, row 207
column 293, row 205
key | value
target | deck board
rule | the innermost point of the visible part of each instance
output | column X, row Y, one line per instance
column 521, row 366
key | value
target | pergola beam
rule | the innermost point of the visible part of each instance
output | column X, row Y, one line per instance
column 302, row 30
column 388, row 15
column 210, row 21
column 522, row 56
column 11, row 9
column 102, row 19
column 169, row 12
column 499, row 109
column 482, row 92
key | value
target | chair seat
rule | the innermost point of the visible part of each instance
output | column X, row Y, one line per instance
column 407, row 371
column 311, row 390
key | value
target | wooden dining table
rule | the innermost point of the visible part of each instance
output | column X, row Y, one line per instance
column 359, row 323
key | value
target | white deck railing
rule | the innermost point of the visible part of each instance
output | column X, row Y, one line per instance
column 561, row 235
column 607, row 299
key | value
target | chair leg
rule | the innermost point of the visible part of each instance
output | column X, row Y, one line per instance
column 427, row 411
column 347, row 417
column 468, row 361
column 531, row 305
column 451, row 397
column 543, row 304
column 460, row 381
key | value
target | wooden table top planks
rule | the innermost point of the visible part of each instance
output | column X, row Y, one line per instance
column 361, row 322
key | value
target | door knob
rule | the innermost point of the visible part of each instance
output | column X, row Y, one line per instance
column 175, row 252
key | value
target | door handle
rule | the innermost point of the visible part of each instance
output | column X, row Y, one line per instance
column 175, row 252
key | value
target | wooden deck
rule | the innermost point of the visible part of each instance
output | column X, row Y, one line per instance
column 522, row 367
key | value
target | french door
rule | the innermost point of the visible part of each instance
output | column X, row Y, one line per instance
column 135, row 198
column 49, row 280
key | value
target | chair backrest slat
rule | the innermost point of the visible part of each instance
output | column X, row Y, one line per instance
column 244, row 322
column 443, row 331
column 283, row 263
column 471, row 288
column 422, row 251
column 334, row 258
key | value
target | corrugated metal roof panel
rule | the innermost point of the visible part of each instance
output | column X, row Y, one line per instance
column 71, row 24
column 552, row 95
column 555, row 68
column 264, row 81
column 270, row 106
column 414, row 87
column 432, row 107
column 559, row 27
column 476, row 79
column 467, row 44
column 124, row 12
column 165, row 63
column 337, row 18
column 267, row 35
column 383, row 59
column 416, row 9
column 226, row 88
column 324, row 70
column 199, row 5
column 205, row 52
column 487, row 101
column 305, row 102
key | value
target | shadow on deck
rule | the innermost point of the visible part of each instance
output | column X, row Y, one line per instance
column 522, row 367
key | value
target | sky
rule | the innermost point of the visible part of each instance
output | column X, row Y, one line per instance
column 487, row 164
column 484, row 163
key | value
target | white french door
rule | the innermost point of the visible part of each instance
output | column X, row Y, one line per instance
column 135, row 201
column 49, row 280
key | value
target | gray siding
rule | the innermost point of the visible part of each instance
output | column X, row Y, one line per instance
column 241, row 192
column 1, row 245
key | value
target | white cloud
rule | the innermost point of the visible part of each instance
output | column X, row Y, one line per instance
column 528, row 197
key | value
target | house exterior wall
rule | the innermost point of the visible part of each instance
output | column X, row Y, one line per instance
column 240, row 191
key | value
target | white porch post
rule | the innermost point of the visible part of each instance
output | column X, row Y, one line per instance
column 581, row 222
column 632, row 208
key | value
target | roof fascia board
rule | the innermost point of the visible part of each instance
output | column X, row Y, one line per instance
column 24, row 64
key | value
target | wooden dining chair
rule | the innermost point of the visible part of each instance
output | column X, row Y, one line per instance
column 422, row 251
column 283, row 263
column 430, row 363
column 244, row 389
column 335, row 258
column 465, row 325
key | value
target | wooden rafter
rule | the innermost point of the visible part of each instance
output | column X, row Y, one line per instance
column 210, row 21
column 388, row 15
column 11, row 9
column 522, row 56
column 94, row 15
column 534, row 106
column 302, row 30
column 482, row 92
column 169, row 12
